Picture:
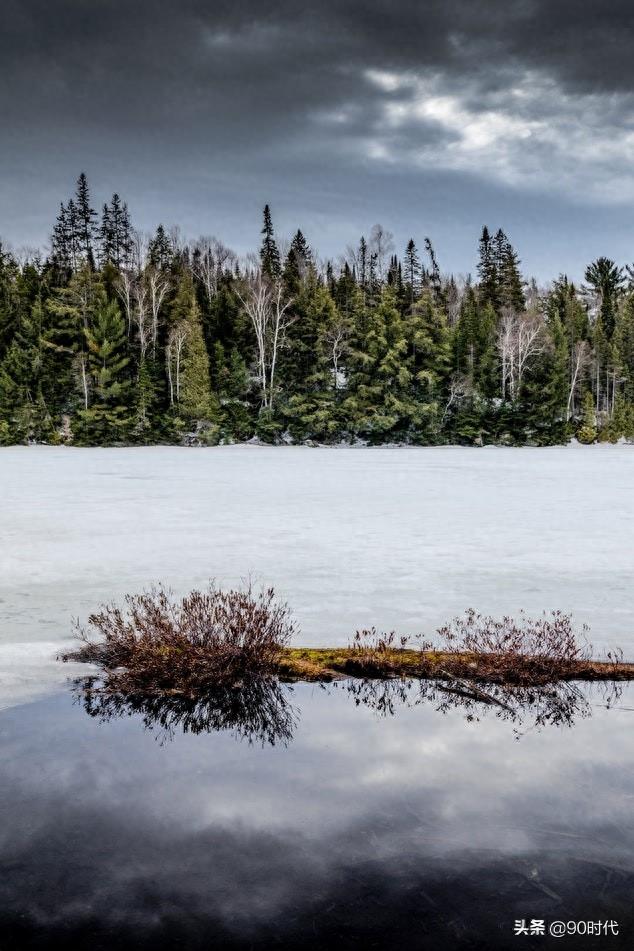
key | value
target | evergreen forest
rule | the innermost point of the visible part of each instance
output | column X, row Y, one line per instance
column 115, row 338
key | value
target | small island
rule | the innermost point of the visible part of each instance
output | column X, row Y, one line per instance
column 157, row 644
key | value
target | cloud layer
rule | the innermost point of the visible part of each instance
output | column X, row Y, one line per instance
column 326, row 109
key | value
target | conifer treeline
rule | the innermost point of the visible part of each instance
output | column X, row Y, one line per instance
column 113, row 339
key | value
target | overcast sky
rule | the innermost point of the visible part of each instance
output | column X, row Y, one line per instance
column 431, row 117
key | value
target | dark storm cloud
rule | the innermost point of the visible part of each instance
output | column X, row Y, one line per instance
column 310, row 103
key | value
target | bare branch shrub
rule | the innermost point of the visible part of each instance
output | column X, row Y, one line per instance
column 211, row 637
column 535, row 650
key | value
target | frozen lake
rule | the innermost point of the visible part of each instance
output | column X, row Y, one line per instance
column 398, row 538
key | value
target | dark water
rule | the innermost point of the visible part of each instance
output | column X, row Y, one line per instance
column 315, row 818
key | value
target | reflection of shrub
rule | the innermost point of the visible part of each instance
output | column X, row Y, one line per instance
column 206, row 638
column 258, row 710
column 523, row 706
column 533, row 650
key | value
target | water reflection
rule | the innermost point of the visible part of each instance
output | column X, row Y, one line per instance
column 370, row 830
column 525, row 708
column 258, row 711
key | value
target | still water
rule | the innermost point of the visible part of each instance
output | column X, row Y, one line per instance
column 346, row 816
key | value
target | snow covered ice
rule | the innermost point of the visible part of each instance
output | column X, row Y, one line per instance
column 399, row 538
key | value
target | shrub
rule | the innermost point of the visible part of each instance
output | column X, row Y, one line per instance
column 587, row 432
column 587, row 435
column 207, row 638
column 530, row 650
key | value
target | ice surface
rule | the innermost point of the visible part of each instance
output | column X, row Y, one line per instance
column 399, row 538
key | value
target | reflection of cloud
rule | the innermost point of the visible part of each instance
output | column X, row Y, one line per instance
column 232, row 889
column 339, row 834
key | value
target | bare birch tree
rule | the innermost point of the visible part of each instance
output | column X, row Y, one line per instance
column 158, row 286
column 521, row 337
column 125, row 290
column 337, row 340
column 142, row 317
column 82, row 361
column 531, row 341
column 381, row 244
column 458, row 387
column 264, row 303
column 506, row 348
column 210, row 260
column 173, row 360
column 139, row 251
column 579, row 361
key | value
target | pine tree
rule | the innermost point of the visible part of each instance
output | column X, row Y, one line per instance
column 312, row 305
column 487, row 271
column 86, row 217
column 107, row 419
column 430, row 356
column 607, row 280
column 23, row 409
column 474, row 342
column 74, row 231
column 394, row 275
column 69, row 313
column 373, row 282
column 509, row 280
column 121, row 232
column 622, row 422
column 61, row 240
column 195, row 406
column 396, row 380
column 145, row 399
column 412, row 272
column 9, row 299
column 160, row 250
column 314, row 410
column 269, row 253
column 624, row 339
column 106, row 237
column 378, row 404
column 587, row 432
column 232, row 384
column 195, row 400
column 299, row 261
column 115, row 234
column 542, row 417
column 364, row 267
column 432, row 277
